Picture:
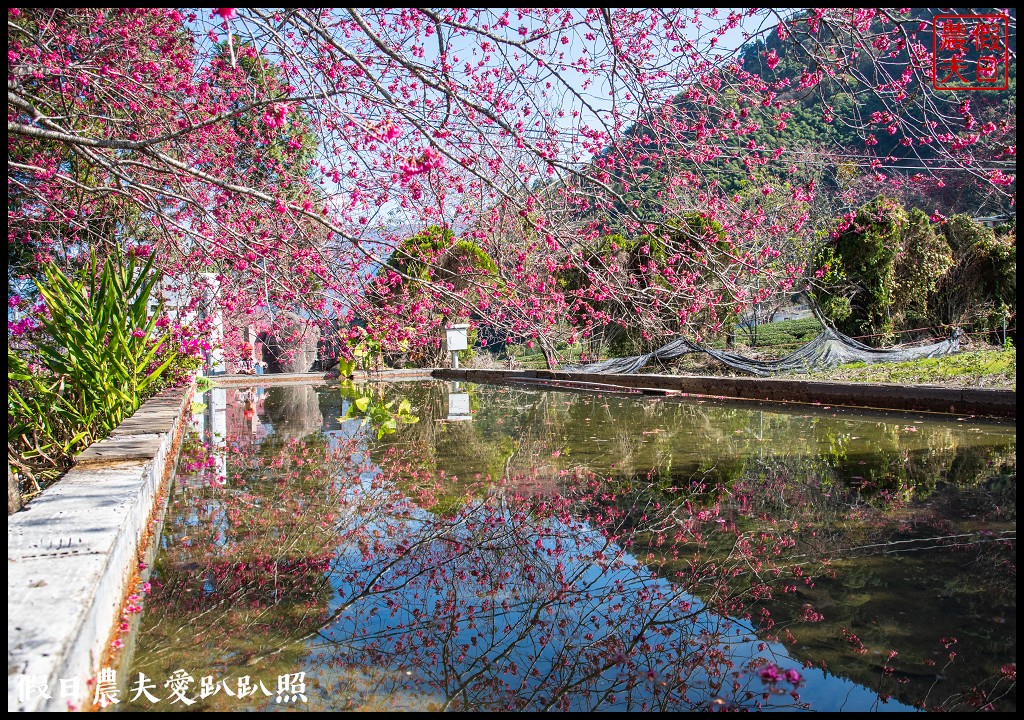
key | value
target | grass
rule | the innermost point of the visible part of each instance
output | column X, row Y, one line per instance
column 990, row 367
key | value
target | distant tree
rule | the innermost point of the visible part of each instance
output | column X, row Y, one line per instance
column 422, row 288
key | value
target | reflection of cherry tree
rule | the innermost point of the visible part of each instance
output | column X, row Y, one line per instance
column 905, row 592
column 508, row 603
column 242, row 580
column 519, row 604
column 800, row 535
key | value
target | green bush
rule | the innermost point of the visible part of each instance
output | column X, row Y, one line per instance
column 924, row 257
column 787, row 334
column 892, row 271
column 861, row 270
column 97, row 354
column 980, row 289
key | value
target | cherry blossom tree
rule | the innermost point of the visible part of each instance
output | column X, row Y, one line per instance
column 292, row 153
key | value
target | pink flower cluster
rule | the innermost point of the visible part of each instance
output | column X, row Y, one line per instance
column 429, row 160
column 21, row 327
column 771, row 674
column 276, row 115
column 385, row 131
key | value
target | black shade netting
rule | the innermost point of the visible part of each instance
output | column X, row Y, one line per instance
column 830, row 349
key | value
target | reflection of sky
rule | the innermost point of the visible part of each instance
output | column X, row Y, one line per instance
column 605, row 600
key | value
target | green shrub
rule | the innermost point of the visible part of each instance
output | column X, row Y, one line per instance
column 924, row 257
column 980, row 290
column 97, row 354
column 787, row 334
column 861, row 267
column 891, row 271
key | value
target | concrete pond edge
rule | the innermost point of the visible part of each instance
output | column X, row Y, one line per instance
column 73, row 555
column 880, row 396
column 319, row 378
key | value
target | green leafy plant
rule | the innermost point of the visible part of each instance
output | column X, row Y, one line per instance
column 347, row 368
column 359, row 350
column 44, row 418
column 369, row 405
column 97, row 354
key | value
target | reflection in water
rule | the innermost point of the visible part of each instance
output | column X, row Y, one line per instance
column 458, row 404
column 293, row 410
column 571, row 551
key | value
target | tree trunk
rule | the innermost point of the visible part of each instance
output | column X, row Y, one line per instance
column 549, row 354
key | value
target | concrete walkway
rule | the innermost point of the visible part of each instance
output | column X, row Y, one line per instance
column 73, row 557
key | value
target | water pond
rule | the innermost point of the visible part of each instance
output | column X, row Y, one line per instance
column 430, row 546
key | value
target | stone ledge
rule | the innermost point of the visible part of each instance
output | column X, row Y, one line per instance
column 314, row 378
column 73, row 550
column 119, row 449
column 319, row 378
column 880, row 396
column 84, row 512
